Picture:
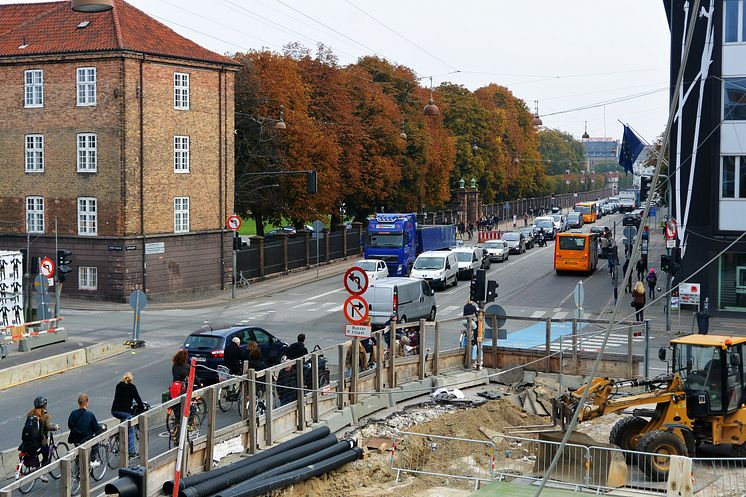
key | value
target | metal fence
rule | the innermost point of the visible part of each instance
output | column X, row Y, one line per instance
column 443, row 457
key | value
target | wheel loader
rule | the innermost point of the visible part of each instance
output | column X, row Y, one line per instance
column 701, row 401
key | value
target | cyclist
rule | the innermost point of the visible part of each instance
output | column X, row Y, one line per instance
column 36, row 433
column 82, row 422
column 125, row 395
column 232, row 357
column 298, row 349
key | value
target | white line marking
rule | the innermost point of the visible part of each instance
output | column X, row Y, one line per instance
column 335, row 309
column 538, row 314
column 560, row 315
column 263, row 304
column 326, row 293
column 448, row 310
column 304, row 304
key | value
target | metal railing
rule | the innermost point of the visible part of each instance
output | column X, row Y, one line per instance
column 442, row 457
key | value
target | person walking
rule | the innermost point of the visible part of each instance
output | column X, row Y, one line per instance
column 604, row 242
column 652, row 280
column 525, row 219
column 640, row 267
column 628, row 286
column 638, row 300
column 125, row 394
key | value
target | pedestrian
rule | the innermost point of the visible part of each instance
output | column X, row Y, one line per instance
column 515, row 218
column 35, row 434
column 652, row 279
column 232, row 357
column 640, row 267
column 525, row 219
column 604, row 242
column 471, row 230
column 298, row 349
column 469, row 309
column 628, row 286
column 82, row 423
column 362, row 357
column 402, row 347
column 638, row 300
column 125, row 394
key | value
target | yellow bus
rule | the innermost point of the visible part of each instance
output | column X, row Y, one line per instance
column 588, row 211
column 576, row 252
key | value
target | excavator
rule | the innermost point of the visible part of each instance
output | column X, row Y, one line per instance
column 701, row 400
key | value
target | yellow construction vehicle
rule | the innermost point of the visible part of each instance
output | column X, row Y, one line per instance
column 701, row 401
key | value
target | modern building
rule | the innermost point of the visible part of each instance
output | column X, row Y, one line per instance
column 708, row 149
column 117, row 144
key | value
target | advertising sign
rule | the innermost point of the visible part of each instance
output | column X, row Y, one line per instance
column 689, row 294
column 11, row 288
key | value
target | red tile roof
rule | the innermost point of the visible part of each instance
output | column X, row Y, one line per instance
column 52, row 28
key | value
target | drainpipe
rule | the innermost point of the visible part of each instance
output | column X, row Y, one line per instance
column 142, row 177
column 220, row 177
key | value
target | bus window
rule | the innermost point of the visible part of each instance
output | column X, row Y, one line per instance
column 572, row 242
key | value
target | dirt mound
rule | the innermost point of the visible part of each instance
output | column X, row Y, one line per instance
column 371, row 477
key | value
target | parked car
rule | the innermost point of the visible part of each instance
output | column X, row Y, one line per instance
column 574, row 220
column 516, row 242
column 469, row 260
column 407, row 299
column 375, row 269
column 437, row 267
column 528, row 234
column 633, row 218
column 547, row 224
column 497, row 249
column 208, row 347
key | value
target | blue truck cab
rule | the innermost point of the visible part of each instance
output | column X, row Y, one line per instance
column 397, row 240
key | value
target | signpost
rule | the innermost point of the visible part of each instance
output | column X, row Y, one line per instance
column 579, row 296
column 318, row 234
column 41, row 285
column 356, row 280
column 355, row 309
column 358, row 330
column 46, row 266
column 495, row 317
column 233, row 223
column 138, row 301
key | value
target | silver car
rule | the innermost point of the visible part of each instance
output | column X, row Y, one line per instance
column 407, row 299
column 498, row 250
column 516, row 242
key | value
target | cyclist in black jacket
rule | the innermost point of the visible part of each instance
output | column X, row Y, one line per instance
column 121, row 408
column 82, row 422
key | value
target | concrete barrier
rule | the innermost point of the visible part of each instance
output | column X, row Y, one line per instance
column 33, row 370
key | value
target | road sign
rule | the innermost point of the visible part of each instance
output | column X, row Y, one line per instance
column 233, row 223
column 496, row 310
column 670, row 243
column 358, row 330
column 355, row 309
column 689, row 293
column 138, row 301
column 644, row 248
column 356, row 280
column 506, row 206
column 318, row 230
column 579, row 295
column 46, row 266
column 630, row 231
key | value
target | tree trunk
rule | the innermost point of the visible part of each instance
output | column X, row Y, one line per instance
column 259, row 220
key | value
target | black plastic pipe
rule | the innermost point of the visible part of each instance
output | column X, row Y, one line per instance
column 311, row 436
column 265, row 486
column 239, row 475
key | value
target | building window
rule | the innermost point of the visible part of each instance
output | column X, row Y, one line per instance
column 34, row 153
column 34, row 86
column 734, row 99
column 181, row 214
column 87, row 278
column 87, row 216
column 734, row 21
column 181, row 91
column 86, row 86
column 181, row 154
column 87, row 157
column 35, row 214
column 733, row 177
column 732, row 295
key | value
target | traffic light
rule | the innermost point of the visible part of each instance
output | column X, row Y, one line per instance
column 478, row 288
column 312, row 185
column 645, row 187
column 131, row 483
column 63, row 264
column 492, row 290
column 670, row 264
column 665, row 263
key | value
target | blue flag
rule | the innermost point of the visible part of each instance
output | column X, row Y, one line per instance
column 631, row 148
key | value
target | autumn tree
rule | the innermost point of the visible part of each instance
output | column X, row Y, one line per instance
column 560, row 151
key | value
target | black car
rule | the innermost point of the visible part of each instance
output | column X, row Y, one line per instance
column 528, row 234
column 599, row 229
column 208, row 347
column 547, row 226
column 634, row 218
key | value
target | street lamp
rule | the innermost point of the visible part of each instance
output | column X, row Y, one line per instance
column 473, row 183
column 536, row 121
column 280, row 124
column 461, row 183
column 431, row 109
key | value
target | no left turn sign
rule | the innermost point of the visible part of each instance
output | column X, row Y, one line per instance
column 233, row 223
column 46, row 267
column 356, row 280
column 355, row 309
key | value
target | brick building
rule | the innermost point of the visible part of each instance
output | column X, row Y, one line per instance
column 120, row 131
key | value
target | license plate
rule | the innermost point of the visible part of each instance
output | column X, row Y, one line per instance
column 201, row 359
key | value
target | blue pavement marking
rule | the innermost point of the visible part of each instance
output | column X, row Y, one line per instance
column 535, row 335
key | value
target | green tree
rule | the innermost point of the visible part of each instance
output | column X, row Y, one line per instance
column 560, row 151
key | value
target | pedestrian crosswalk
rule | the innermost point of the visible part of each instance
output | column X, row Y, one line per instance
column 592, row 343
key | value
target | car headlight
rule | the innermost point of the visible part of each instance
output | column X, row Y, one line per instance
column 399, row 268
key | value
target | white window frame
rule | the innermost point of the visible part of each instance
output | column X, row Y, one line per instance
column 34, row 215
column 34, row 155
column 181, row 91
column 181, row 154
column 87, row 278
column 740, row 163
column 181, row 214
column 87, row 152
column 87, row 217
column 33, row 89
column 86, row 85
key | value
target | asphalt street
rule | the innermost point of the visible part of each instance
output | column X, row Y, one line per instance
column 528, row 287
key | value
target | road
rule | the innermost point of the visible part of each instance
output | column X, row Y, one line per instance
column 528, row 287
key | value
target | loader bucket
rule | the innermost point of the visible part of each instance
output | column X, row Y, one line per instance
column 583, row 461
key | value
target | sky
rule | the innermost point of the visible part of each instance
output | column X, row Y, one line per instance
column 610, row 54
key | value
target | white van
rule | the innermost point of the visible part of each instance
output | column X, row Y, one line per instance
column 407, row 299
column 437, row 267
column 469, row 260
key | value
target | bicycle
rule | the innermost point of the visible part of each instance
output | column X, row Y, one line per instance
column 56, row 451
column 96, row 466
column 227, row 395
column 198, row 407
column 113, row 444
column 194, row 423
column 242, row 280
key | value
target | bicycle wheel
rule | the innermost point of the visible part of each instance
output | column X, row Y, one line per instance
column 22, row 472
column 98, row 462
column 199, row 408
column 173, row 437
column 75, row 477
column 59, row 451
column 171, row 420
column 112, row 452
column 225, row 399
